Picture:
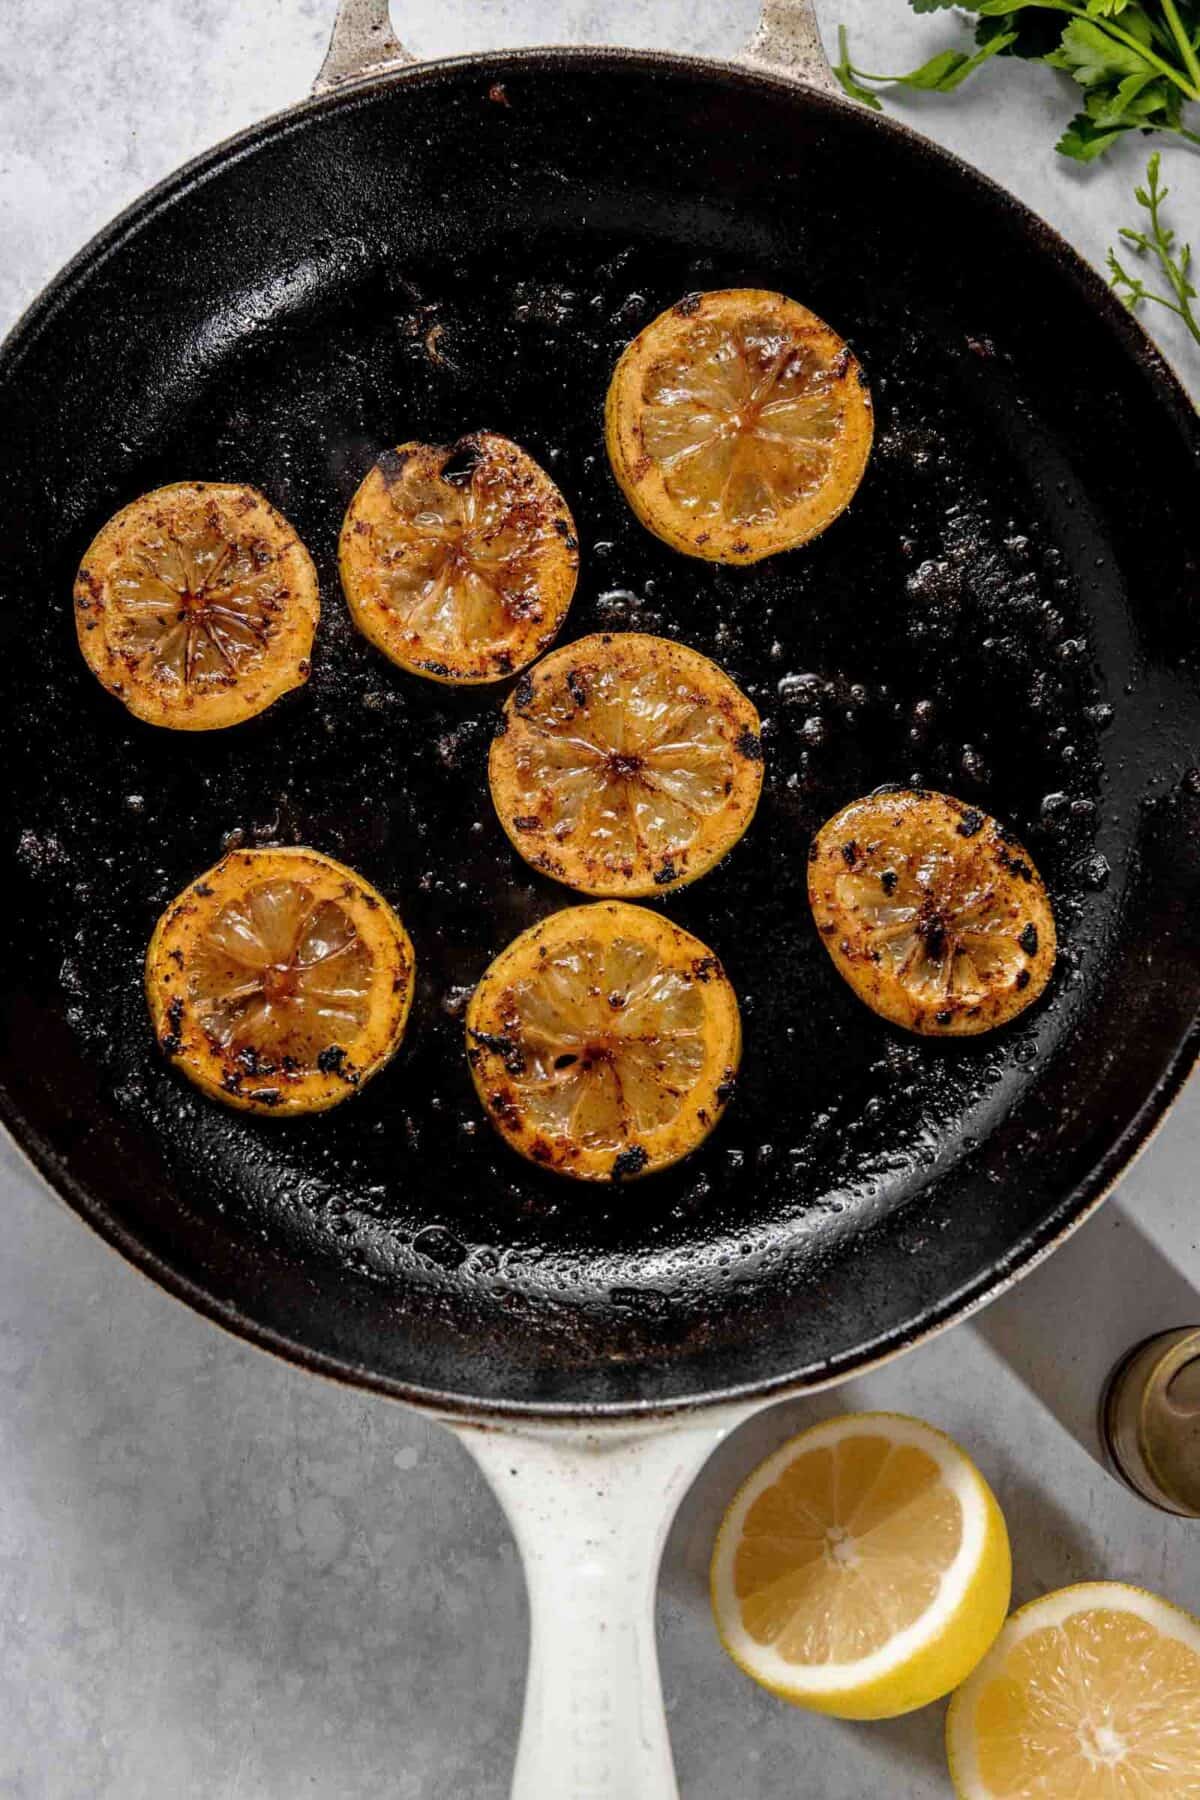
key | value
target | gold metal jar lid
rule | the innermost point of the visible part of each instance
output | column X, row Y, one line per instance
column 1151, row 1420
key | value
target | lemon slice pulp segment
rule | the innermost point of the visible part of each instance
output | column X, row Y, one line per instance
column 626, row 765
column 459, row 561
column 1092, row 1692
column 196, row 605
column 604, row 1042
column 279, row 981
column 738, row 424
column 932, row 911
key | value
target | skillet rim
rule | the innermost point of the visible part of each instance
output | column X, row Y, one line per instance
column 1071, row 1211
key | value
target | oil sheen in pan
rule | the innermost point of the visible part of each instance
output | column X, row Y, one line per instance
column 981, row 683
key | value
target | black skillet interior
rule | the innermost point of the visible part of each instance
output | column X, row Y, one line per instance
column 1007, row 611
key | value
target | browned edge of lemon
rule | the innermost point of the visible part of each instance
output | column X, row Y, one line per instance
column 236, row 507
column 529, row 818
column 538, row 509
column 496, row 1054
column 639, row 476
column 219, row 1073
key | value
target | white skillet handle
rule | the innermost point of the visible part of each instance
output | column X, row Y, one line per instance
column 362, row 46
column 590, row 1513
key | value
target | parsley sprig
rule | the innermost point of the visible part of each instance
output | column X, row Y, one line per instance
column 1138, row 62
column 1156, row 244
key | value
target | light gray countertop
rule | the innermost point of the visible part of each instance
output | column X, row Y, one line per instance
column 222, row 1580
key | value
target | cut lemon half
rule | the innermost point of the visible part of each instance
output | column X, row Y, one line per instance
column 604, row 1042
column 459, row 561
column 279, row 981
column 863, row 1570
column 738, row 424
column 626, row 765
column 196, row 605
column 932, row 912
column 1092, row 1693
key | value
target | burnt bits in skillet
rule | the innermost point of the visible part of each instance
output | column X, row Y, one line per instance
column 1000, row 615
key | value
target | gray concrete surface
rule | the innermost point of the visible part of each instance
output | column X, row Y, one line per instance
column 222, row 1581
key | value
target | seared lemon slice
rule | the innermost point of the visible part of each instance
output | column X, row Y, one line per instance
column 459, row 561
column 626, row 765
column 1092, row 1693
column 738, row 424
column 604, row 1042
column 863, row 1570
column 196, row 605
column 932, row 911
column 279, row 981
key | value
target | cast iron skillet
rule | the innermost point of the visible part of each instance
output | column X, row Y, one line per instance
column 1007, row 611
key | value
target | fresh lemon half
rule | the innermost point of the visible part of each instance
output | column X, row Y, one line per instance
column 196, row 605
column 932, row 911
column 1091, row 1693
column 604, row 1042
column 459, row 561
column 738, row 424
column 279, row 981
column 863, row 1570
column 626, row 765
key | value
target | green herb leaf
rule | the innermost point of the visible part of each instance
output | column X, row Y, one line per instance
column 848, row 76
column 1136, row 101
column 950, row 68
column 1090, row 55
column 1085, row 142
column 1137, row 60
column 1156, row 244
column 991, row 9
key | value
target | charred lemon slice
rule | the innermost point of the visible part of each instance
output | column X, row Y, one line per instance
column 196, row 605
column 626, row 765
column 459, row 561
column 738, row 424
column 604, row 1042
column 280, row 981
column 932, row 911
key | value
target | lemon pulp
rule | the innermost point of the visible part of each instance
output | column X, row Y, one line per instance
column 279, row 981
column 932, row 912
column 863, row 1570
column 738, row 424
column 604, row 1042
column 1092, row 1692
column 627, row 764
column 281, row 973
column 459, row 561
column 196, row 605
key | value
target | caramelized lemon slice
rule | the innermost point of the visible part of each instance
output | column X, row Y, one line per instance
column 932, row 911
column 626, row 765
column 738, row 424
column 863, row 1570
column 459, row 562
column 604, row 1042
column 279, row 981
column 1092, row 1692
column 196, row 605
